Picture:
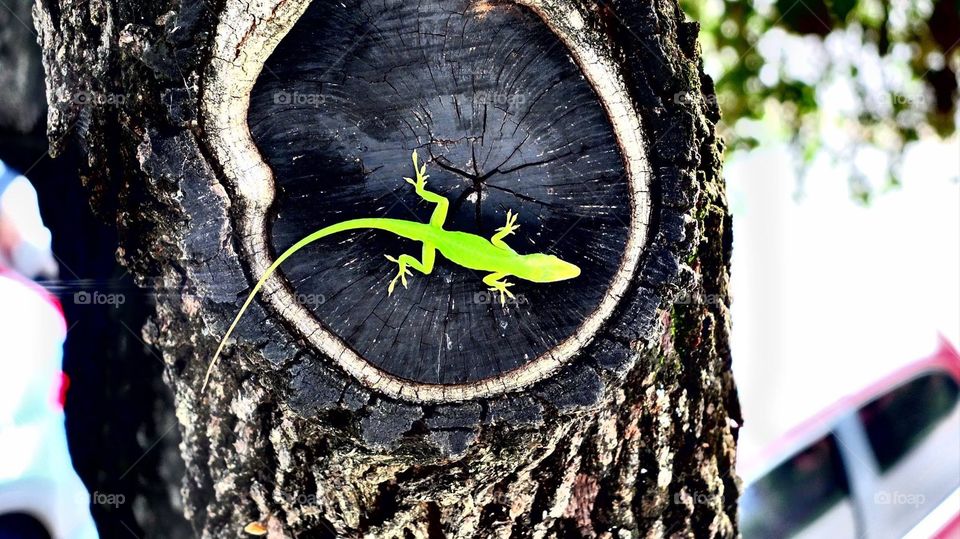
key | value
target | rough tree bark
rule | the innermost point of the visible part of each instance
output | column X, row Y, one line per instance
column 220, row 133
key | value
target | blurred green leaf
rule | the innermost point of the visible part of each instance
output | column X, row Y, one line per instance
column 841, row 9
column 893, row 79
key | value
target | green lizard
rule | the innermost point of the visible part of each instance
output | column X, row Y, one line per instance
column 464, row 249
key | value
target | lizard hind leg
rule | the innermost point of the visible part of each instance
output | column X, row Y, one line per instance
column 402, row 273
column 425, row 266
column 497, row 284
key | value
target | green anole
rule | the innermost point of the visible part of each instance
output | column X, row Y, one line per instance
column 463, row 249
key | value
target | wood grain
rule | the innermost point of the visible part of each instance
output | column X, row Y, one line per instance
column 504, row 120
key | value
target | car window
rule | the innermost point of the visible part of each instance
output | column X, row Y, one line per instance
column 899, row 420
column 808, row 492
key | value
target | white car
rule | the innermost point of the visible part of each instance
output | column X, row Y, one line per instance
column 40, row 493
column 881, row 463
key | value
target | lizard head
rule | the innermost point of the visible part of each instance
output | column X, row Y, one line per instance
column 544, row 268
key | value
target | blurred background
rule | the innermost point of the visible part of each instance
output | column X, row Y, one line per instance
column 843, row 176
column 843, row 170
column 119, row 421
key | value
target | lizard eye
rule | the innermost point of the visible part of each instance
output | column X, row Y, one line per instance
column 509, row 108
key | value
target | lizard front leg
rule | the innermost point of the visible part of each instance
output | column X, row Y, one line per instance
column 439, row 216
column 497, row 285
column 505, row 230
column 428, row 255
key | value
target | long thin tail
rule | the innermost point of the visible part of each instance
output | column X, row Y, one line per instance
column 353, row 224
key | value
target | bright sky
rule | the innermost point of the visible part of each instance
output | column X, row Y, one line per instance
column 829, row 295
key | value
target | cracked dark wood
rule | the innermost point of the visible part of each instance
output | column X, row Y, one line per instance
column 504, row 120
column 626, row 436
column 242, row 55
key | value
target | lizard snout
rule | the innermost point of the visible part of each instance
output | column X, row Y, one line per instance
column 549, row 268
column 565, row 270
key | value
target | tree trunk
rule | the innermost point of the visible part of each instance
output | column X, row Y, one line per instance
column 599, row 406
